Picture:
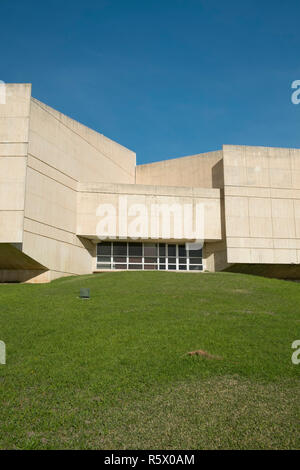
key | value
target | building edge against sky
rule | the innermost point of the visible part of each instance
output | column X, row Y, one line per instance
column 56, row 172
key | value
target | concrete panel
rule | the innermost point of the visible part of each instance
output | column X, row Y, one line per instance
column 273, row 215
column 14, row 129
column 250, row 242
column 234, row 255
column 14, row 124
column 201, row 170
column 118, row 154
column 89, row 201
column 237, row 217
column 283, row 218
column 261, row 255
column 56, row 255
column 50, row 202
column 17, row 102
column 12, row 183
column 260, row 217
column 63, row 148
column 13, row 149
column 11, row 226
column 297, row 216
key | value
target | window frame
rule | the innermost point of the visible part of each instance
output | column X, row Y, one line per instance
column 162, row 261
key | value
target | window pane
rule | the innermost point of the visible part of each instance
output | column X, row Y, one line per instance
column 103, row 266
column 135, row 266
column 182, row 260
column 150, row 249
column 162, row 249
column 182, row 250
column 119, row 259
column 195, row 268
column 171, row 250
column 135, row 249
column 196, row 261
column 162, row 266
column 172, row 267
column 150, row 260
column 172, row 260
column 135, row 260
column 182, row 267
column 104, row 248
column 103, row 259
column 195, row 253
column 120, row 266
column 162, row 260
column 120, row 248
column 150, row 266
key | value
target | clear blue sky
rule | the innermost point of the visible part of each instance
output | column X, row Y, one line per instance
column 165, row 78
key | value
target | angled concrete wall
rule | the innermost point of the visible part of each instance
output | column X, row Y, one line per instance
column 62, row 152
column 43, row 156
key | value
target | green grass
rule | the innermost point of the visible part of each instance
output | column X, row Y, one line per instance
column 112, row 372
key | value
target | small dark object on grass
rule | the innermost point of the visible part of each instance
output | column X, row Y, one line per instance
column 84, row 293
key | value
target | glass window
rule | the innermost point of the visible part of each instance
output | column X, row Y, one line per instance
column 135, row 260
column 195, row 253
column 130, row 256
column 181, row 250
column 103, row 259
column 162, row 249
column 120, row 266
column 150, row 260
column 104, row 266
column 150, row 266
column 120, row 248
column 135, row 249
column 135, row 266
column 104, row 248
column 195, row 260
column 120, row 259
column 195, row 268
column 150, row 249
column 171, row 250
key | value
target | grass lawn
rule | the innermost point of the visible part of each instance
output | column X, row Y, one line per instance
column 112, row 372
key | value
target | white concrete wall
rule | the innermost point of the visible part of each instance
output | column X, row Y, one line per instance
column 61, row 153
column 14, row 125
column 204, row 170
column 91, row 196
column 262, row 204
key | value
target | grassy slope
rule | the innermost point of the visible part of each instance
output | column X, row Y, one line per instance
column 111, row 372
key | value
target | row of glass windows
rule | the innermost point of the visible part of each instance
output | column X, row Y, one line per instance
column 147, row 256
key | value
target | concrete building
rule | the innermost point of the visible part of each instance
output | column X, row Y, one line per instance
column 58, row 180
